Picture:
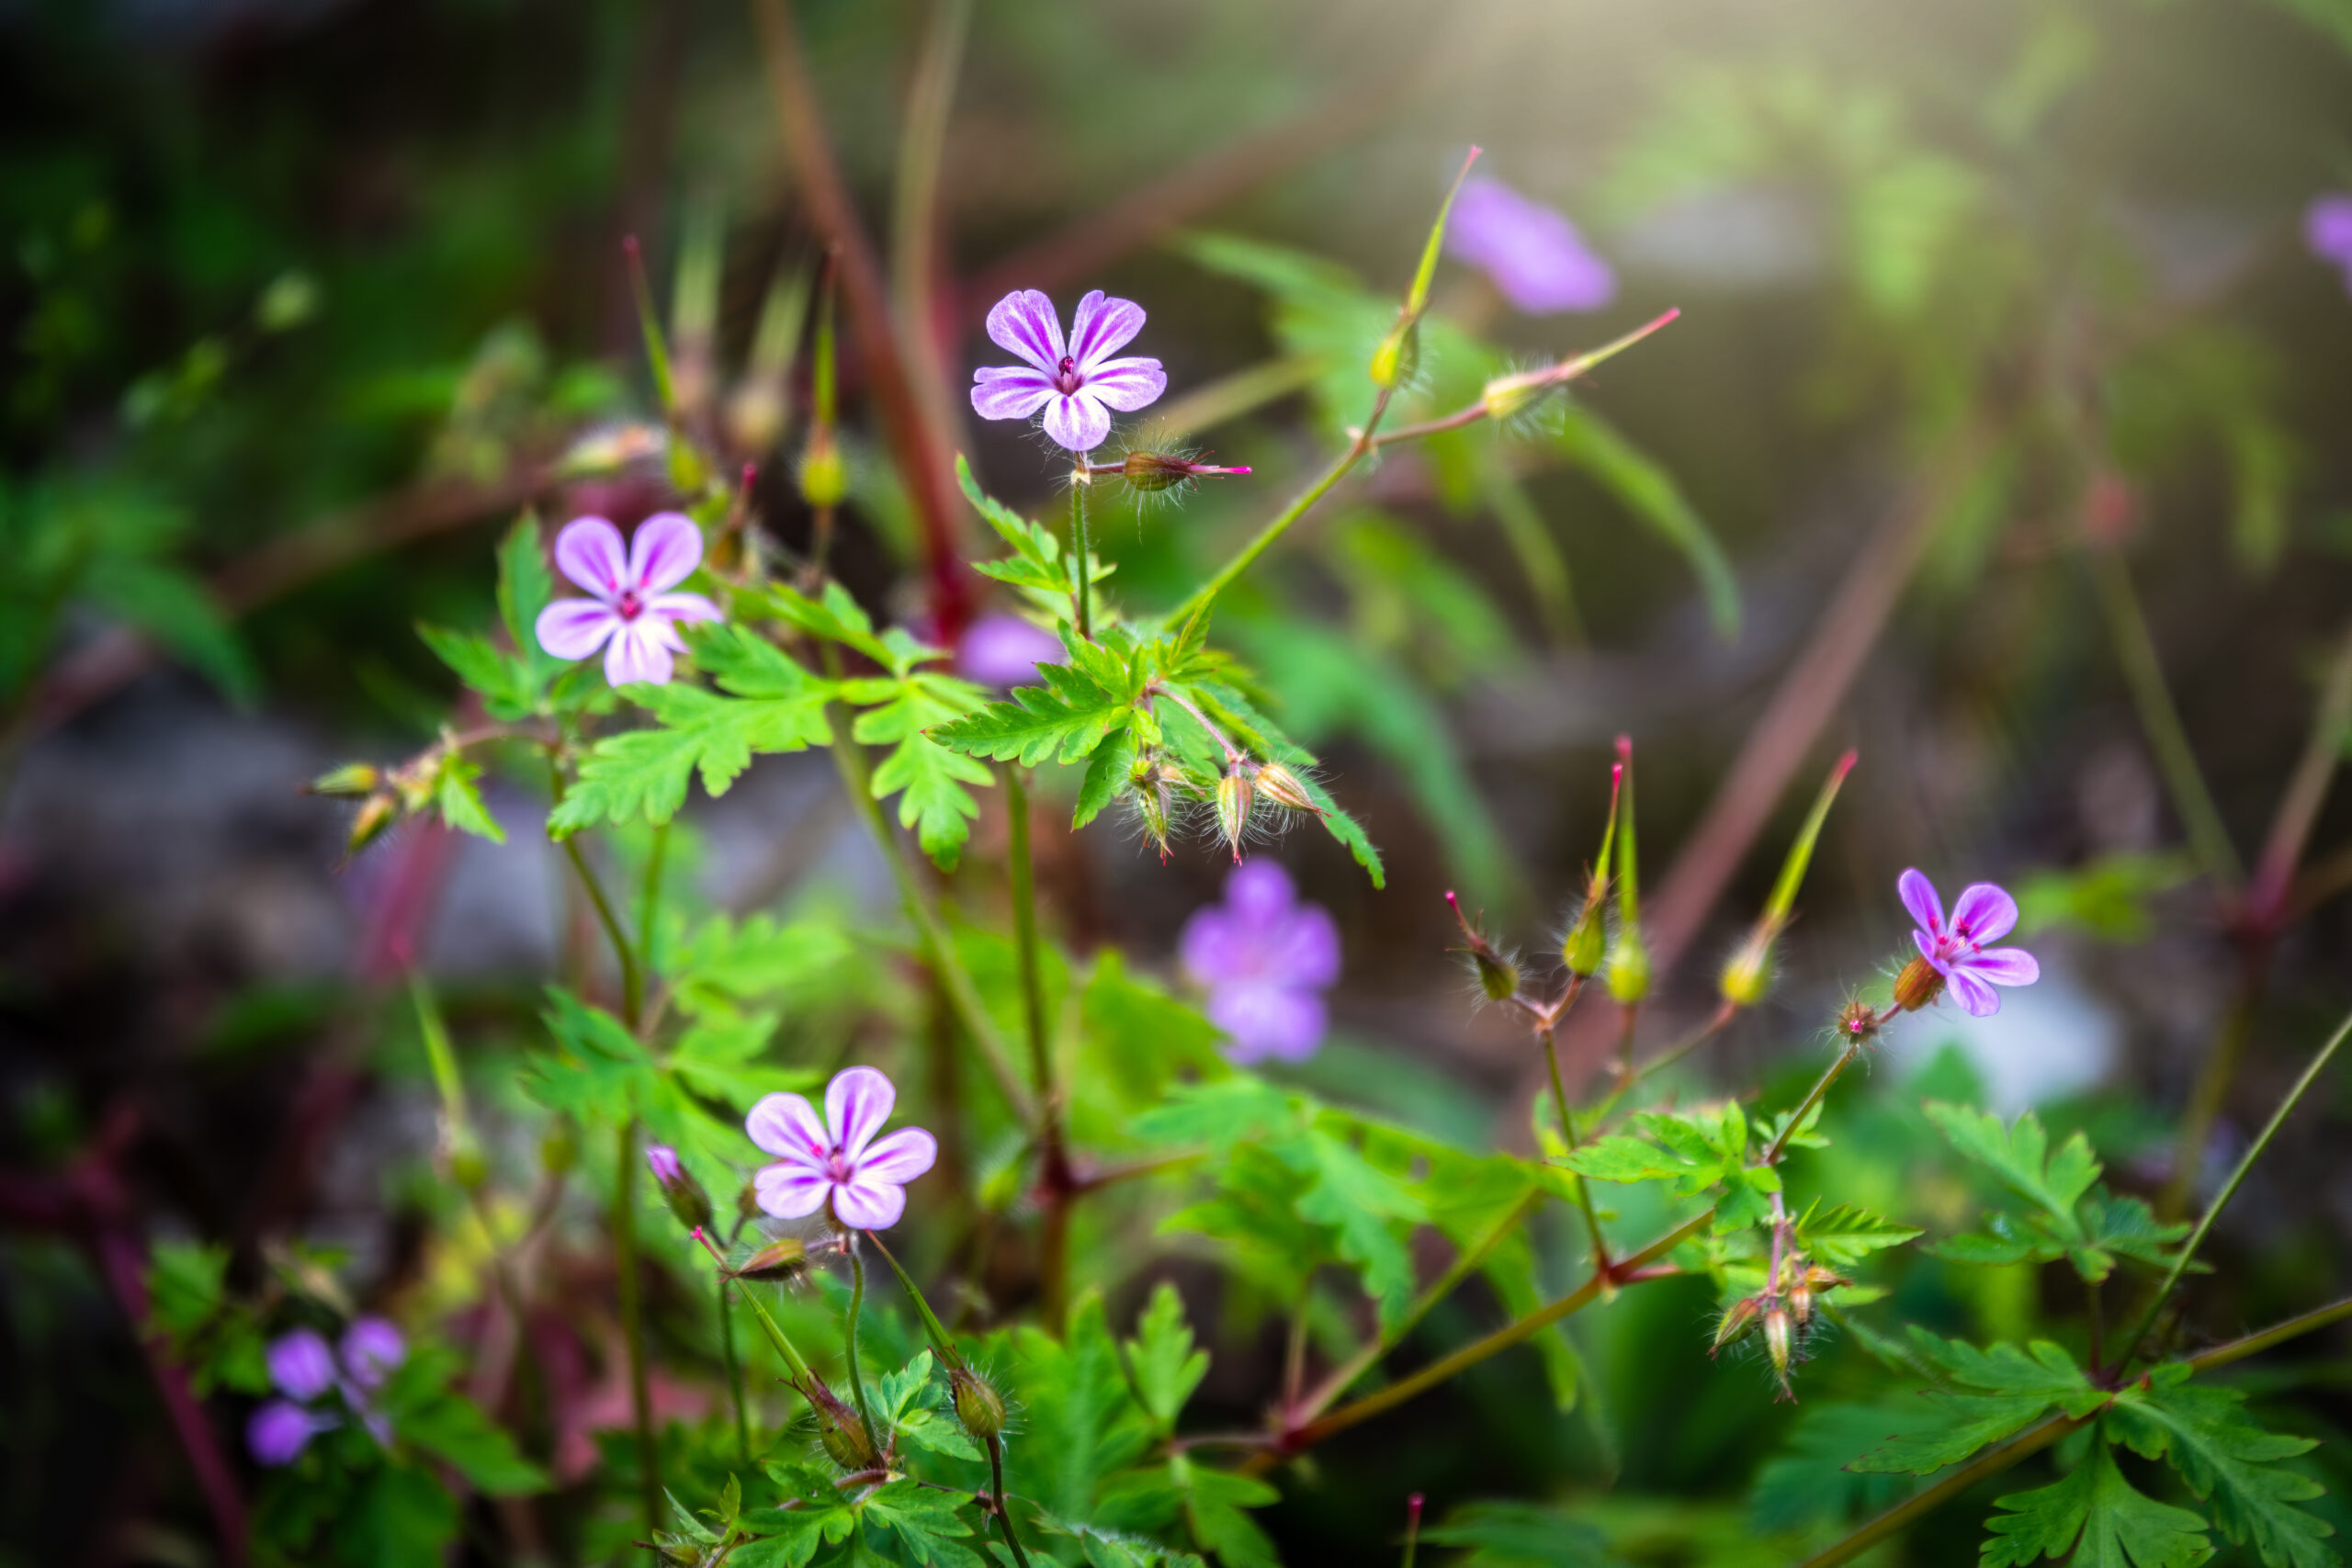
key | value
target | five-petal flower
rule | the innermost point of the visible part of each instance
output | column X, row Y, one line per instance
column 1076, row 384
column 838, row 1158
column 1265, row 959
column 1983, row 913
column 632, row 613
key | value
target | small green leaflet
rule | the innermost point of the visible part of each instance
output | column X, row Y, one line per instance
column 2020, row 1156
column 776, row 706
column 1991, row 1393
column 1520, row 1535
column 459, row 795
column 1843, row 1236
column 2231, row 1465
column 1062, row 721
column 2079, row 1221
column 1037, row 560
column 929, row 778
column 1808, row 1482
column 1160, row 1358
column 2119, row 1527
column 512, row 684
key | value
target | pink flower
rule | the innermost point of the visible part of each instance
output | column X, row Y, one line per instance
column 1983, row 913
column 1076, row 385
column 631, row 614
column 281, row 1429
column 1534, row 254
column 838, row 1159
column 664, row 1161
column 998, row 650
column 372, row 1350
column 2327, row 229
column 1265, row 960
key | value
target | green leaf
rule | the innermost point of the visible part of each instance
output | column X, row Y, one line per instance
column 2108, row 898
column 1064, row 720
column 403, row 1519
column 1214, row 1501
column 2122, row 1227
column 481, row 666
column 458, row 797
column 776, row 707
column 1359, row 1203
column 1808, row 1482
column 1037, row 560
column 2020, row 1156
column 2118, row 1525
column 525, row 589
column 1519, row 1535
column 1166, row 1367
column 452, row 1428
column 1649, row 493
column 2231, row 1462
column 1107, row 773
column 1990, row 1394
column 1081, row 1422
column 929, row 778
column 1843, row 1236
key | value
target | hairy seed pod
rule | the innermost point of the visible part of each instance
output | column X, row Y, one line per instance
column 1236, row 796
column 1286, row 788
column 1919, row 983
column 824, row 480
column 977, row 1404
column 1779, row 1341
column 377, row 813
column 1738, row 1319
column 1509, row 396
column 779, row 1260
column 1857, row 1023
column 1749, row 975
column 352, row 779
column 1498, row 975
column 841, row 1432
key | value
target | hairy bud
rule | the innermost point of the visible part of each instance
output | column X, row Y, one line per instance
column 977, row 1404
column 1498, row 975
column 841, row 1432
column 351, row 780
column 1738, row 1320
column 1507, row 396
column 1397, row 357
column 1286, row 788
column 779, row 1260
column 1627, row 970
column 377, row 813
column 1151, row 471
column 824, row 480
column 1857, row 1023
column 1236, row 796
column 685, row 1195
column 1749, row 975
column 1919, row 983
column 1779, row 1342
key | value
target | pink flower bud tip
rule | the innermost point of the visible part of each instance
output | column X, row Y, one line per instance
column 1625, row 752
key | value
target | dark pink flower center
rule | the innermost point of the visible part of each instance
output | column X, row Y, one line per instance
column 630, row 605
column 839, row 1167
column 1067, row 379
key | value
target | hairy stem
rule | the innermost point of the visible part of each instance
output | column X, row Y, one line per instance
column 2131, row 1344
column 1983, row 1468
column 1004, row 1510
column 1082, row 552
column 734, row 1369
column 648, row 899
column 1772, row 1150
column 932, row 1325
column 1568, row 1134
column 632, row 977
column 849, row 1347
column 962, row 994
column 648, row 1457
column 1054, row 1250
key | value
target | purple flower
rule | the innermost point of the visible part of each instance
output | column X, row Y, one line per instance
column 372, row 1350
column 838, row 1158
column 1532, row 252
column 281, row 1429
column 1005, row 650
column 631, row 606
column 2327, row 229
column 1983, row 913
column 664, row 1161
column 1264, row 959
column 1079, row 384
column 300, row 1364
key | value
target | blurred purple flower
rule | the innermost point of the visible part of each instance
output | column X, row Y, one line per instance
column 300, row 1364
column 838, row 1157
column 278, row 1432
column 1532, row 252
column 1983, row 913
column 2327, row 229
column 372, row 1350
column 1005, row 650
column 1265, row 960
column 664, row 1161
column 1076, row 384
column 631, row 612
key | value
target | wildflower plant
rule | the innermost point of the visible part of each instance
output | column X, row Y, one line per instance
column 984, row 1403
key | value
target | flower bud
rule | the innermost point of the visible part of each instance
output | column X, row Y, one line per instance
column 377, row 813
column 1919, row 983
column 687, row 1199
column 1749, row 975
column 747, row 1201
column 1236, row 796
column 1498, row 975
column 823, row 477
column 1779, row 1341
column 1738, row 1320
column 1857, row 1023
column 778, row 1261
column 1150, row 471
column 1507, row 396
column 842, row 1433
column 351, row 780
column 977, row 1404
column 1627, row 971
column 754, row 416
column 1286, row 788
column 1586, row 944
column 1397, row 357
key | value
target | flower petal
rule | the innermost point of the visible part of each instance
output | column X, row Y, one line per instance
column 1983, row 913
column 790, row 1191
column 901, row 1157
column 1978, row 998
column 1127, row 384
column 2004, row 965
column 300, row 1364
column 787, row 1127
column 372, row 1348
column 1079, row 422
column 1259, row 892
column 589, row 551
column 1216, row 947
column 278, row 1432
column 1268, row 1020
column 673, row 607
column 1304, row 951
column 1920, row 897
column 1099, row 327
column 857, row 1102
column 1927, row 946
column 574, row 628
column 863, row 1204
column 1009, row 391
column 665, row 552
column 1025, row 323
column 636, row 653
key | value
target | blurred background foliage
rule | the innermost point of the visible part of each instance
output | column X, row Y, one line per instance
column 1998, row 342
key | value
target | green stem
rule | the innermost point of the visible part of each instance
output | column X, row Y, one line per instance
column 2214, row 1076
column 1772, row 1155
column 734, row 1370
column 930, row 1323
column 1199, row 603
column 803, row 1379
column 2136, row 651
column 849, row 1344
column 648, row 898
column 2277, row 1334
column 1081, row 555
column 649, row 1458
column 2129, row 1343
column 1569, row 1134
column 962, row 994
column 1054, row 1250
column 1501, row 1339
column 1003, row 1509
column 632, row 977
